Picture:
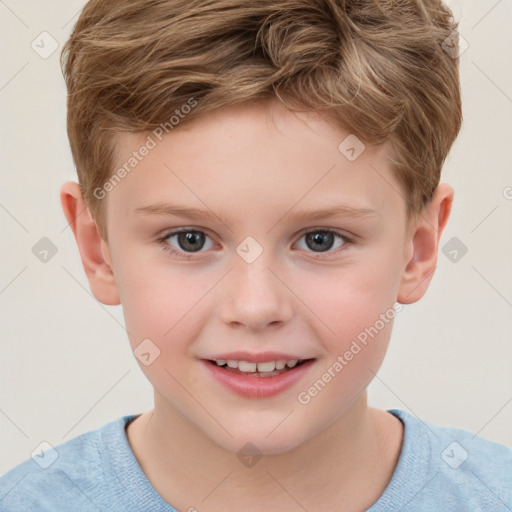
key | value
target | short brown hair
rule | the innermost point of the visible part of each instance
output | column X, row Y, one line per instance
column 377, row 67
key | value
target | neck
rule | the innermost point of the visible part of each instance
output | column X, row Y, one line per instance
column 189, row 470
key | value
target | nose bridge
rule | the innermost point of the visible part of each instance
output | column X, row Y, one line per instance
column 255, row 296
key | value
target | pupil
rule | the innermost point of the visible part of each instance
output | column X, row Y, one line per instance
column 318, row 238
column 190, row 240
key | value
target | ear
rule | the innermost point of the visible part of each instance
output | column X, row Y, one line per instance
column 423, row 246
column 94, row 251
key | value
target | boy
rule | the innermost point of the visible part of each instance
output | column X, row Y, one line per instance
column 255, row 131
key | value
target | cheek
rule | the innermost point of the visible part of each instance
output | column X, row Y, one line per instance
column 155, row 294
column 349, row 300
column 357, row 313
column 355, row 308
column 167, row 305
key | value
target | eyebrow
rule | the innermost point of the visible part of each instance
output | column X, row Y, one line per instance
column 316, row 214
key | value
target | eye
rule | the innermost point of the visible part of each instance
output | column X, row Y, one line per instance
column 190, row 241
column 323, row 240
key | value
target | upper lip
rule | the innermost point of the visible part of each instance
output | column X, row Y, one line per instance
column 260, row 357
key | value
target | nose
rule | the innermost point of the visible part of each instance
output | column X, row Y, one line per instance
column 255, row 296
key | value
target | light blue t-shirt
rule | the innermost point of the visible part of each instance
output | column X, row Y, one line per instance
column 439, row 469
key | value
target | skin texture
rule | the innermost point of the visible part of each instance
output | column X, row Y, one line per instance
column 256, row 166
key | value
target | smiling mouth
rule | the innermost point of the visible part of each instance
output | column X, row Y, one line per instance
column 265, row 369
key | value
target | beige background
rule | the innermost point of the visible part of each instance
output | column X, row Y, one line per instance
column 65, row 362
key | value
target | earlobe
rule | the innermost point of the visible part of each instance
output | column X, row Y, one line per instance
column 423, row 247
column 94, row 251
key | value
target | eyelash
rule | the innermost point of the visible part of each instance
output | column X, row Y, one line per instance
column 185, row 255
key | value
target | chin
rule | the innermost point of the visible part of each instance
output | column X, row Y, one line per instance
column 260, row 440
column 251, row 444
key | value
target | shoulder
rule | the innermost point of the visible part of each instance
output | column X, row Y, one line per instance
column 452, row 467
column 56, row 477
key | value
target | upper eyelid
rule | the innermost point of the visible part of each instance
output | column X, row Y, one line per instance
column 186, row 229
column 331, row 230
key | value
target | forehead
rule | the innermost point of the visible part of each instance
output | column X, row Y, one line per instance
column 257, row 156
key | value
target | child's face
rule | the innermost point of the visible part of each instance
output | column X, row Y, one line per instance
column 299, row 299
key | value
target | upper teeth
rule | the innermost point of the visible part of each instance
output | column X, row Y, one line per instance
column 269, row 366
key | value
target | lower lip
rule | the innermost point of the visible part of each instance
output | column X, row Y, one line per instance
column 258, row 387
